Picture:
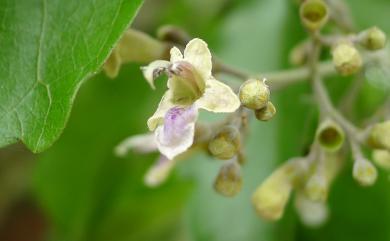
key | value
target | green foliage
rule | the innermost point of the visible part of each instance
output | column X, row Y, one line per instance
column 91, row 195
column 48, row 49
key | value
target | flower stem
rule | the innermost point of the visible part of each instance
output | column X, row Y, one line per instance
column 278, row 79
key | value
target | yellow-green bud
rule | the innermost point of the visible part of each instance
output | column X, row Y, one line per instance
column 266, row 113
column 316, row 188
column 254, row 94
column 372, row 39
column 382, row 158
column 364, row 172
column 312, row 214
column 314, row 14
column 330, row 136
column 159, row 172
column 134, row 46
column 226, row 143
column 271, row 197
column 298, row 55
column 380, row 136
column 113, row 64
column 229, row 181
column 346, row 58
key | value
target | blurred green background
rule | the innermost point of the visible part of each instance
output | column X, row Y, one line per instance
column 79, row 191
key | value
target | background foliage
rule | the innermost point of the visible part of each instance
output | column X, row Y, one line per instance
column 85, row 193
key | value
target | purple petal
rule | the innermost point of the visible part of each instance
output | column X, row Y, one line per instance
column 177, row 133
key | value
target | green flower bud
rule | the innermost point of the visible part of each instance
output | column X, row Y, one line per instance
column 298, row 55
column 134, row 46
column 316, row 188
column 314, row 14
column 346, row 58
column 228, row 182
column 380, row 136
column 254, row 94
column 113, row 64
column 382, row 158
column 266, row 113
column 226, row 143
column 186, row 83
column 312, row 214
column 271, row 197
column 330, row 136
column 372, row 39
column 364, row 172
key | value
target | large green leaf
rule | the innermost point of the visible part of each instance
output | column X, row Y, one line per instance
column 48, row 48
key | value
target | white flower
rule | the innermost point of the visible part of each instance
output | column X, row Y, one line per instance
column 190, row 87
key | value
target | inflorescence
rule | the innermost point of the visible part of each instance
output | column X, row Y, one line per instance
column 190, row 69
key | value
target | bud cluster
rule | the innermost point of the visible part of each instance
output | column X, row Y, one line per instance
column 310, row 176
column 255, row 95
column 225, row 144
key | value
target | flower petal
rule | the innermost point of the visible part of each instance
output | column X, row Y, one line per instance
column 198, row 54
column 159, row 172
column 143, row 143
column 158, row 116
column 154, row 70
column 218, row 97
column 176, row 55
column 177, row 133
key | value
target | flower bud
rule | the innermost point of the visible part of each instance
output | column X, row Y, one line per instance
column 134, row 46
column 312, row 214
column 330, row 136
column 186, row 83
column 316, row 188
column 228, row 182
column 314, row 14
column 254, row 94
column 364, row 172
column 266, row 113
column 298, row 55
column 381, row 158
column 113, row 64
column 226, row 143
column 159, row 172
column 271, row 197
column 380, row 136
column 346, row 58
column 326, row 169
column 372, row 39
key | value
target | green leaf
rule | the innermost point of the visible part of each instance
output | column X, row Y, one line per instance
column 48, row 48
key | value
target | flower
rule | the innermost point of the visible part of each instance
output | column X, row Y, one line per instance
column 190, row 87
